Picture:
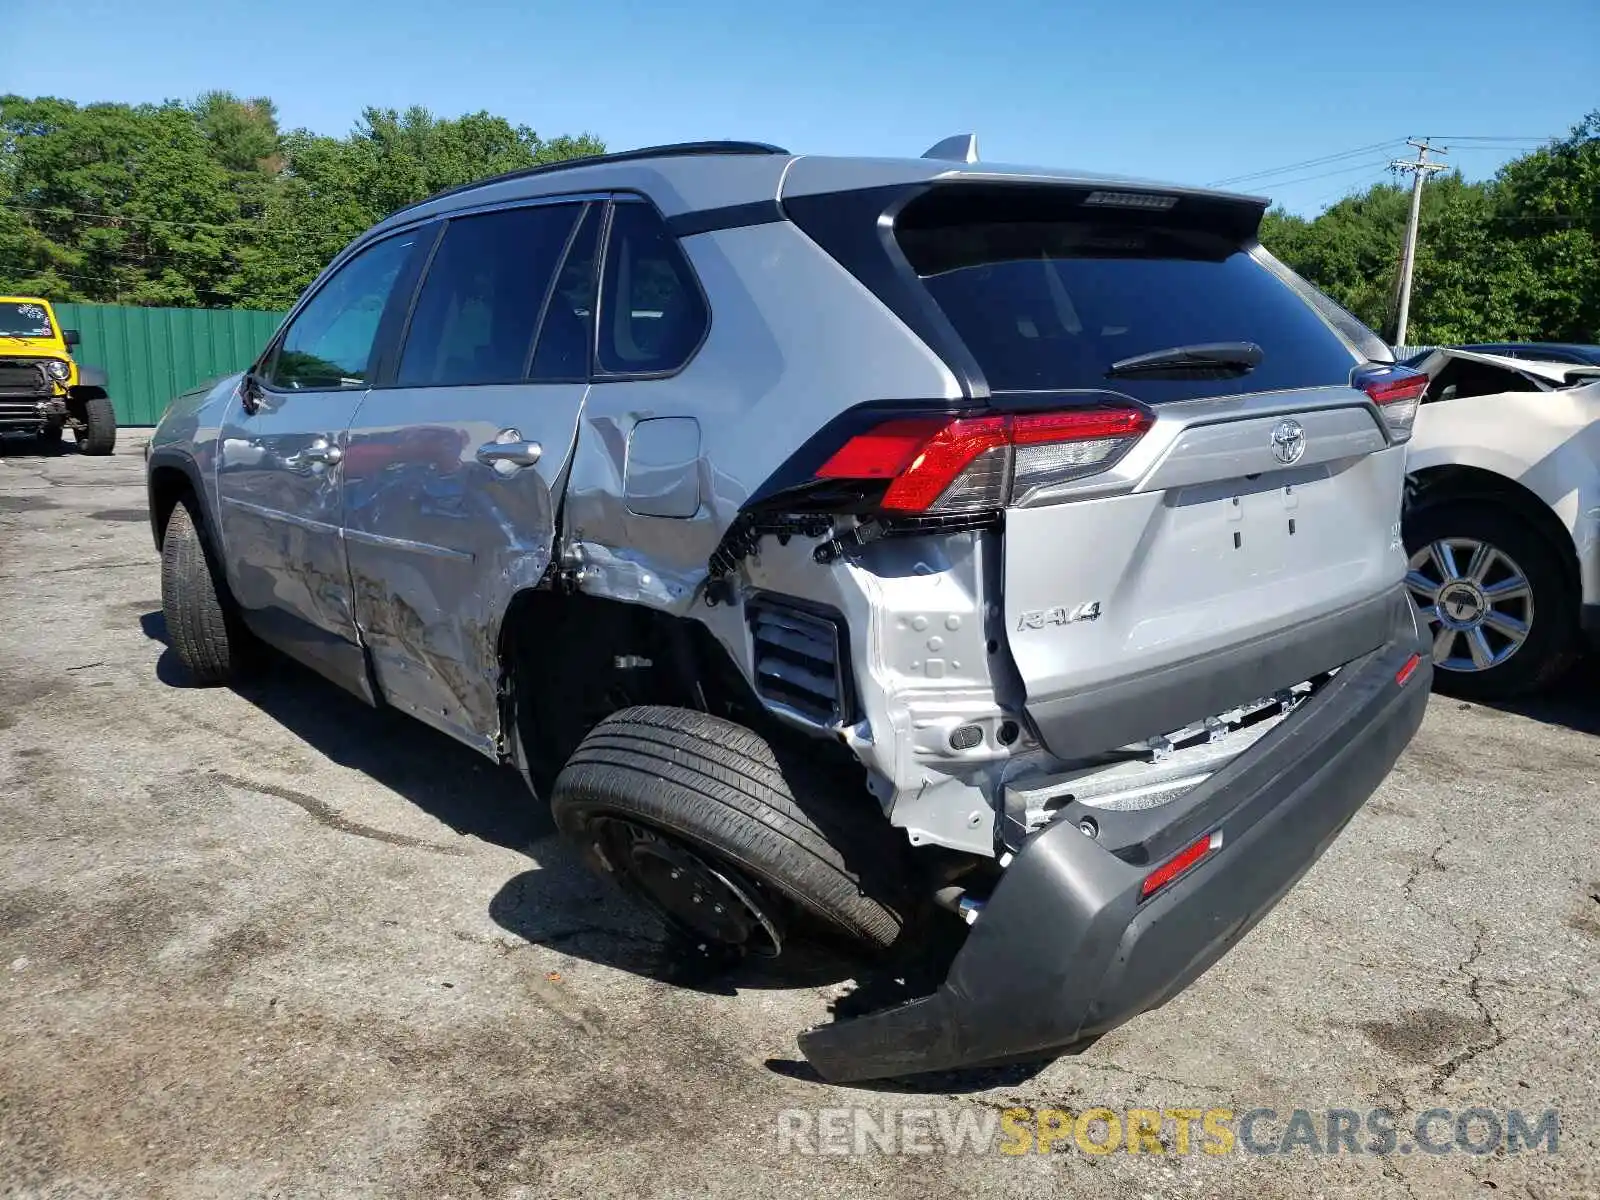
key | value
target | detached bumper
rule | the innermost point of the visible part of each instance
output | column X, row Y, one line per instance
column 1065, row 949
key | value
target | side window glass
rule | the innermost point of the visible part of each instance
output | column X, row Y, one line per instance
column 563, row 351
column 652, row 316
column 329, row 343
column 479, row 305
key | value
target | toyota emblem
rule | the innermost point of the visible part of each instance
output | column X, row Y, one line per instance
column 1288, row 442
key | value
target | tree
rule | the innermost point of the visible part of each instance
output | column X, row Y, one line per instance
column 1516, row 257
column 209, row 204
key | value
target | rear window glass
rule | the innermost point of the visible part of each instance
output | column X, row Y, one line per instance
column 1048, row 304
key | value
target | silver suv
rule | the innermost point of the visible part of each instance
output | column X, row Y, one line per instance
column 843, row 547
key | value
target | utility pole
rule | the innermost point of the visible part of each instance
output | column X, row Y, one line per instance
column 1420, row 169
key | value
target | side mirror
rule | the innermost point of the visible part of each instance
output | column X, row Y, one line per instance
column 250, row 393
column 70, row 337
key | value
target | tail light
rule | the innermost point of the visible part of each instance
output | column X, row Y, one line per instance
column 949, row 464
column 1397, row 391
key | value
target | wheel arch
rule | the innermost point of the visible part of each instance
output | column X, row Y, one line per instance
column 1437, row 484
column 91, row 385
column 569, row 659
column 170, row 476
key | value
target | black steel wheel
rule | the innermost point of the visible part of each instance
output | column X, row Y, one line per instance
column 708, row 905
column 736, row 849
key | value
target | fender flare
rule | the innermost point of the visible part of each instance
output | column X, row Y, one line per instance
column 91, row 382
column 170, row 458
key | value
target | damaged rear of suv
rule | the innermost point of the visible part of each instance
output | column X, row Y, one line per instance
column 901, row 536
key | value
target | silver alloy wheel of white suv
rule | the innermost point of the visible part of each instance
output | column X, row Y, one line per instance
column 1477, row 601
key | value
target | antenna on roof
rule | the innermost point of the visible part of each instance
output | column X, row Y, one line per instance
column 963, row 147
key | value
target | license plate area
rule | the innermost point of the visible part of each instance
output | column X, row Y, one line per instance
column 1228, row 555
column 1162, row 577
column 1261, row 525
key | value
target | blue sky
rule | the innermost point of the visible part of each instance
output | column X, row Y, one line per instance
column 1187, row 92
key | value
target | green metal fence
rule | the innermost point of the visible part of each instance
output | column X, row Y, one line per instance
column 151, row 355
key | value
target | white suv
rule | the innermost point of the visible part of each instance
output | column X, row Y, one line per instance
column 1503, row 528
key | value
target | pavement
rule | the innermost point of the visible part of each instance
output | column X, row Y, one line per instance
column 268, row 942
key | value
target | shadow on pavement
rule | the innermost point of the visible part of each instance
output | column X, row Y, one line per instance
column 561, row 903
column 17, row 446
column 1573, row 703
column 439, row 775
column 610, row 930
column 934, row 1083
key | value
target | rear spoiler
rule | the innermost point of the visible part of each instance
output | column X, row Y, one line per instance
column 962, row 198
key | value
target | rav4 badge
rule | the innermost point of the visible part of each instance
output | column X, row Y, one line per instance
column 1038, row 618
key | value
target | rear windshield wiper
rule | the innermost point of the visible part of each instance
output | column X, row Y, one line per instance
column 1208, row 360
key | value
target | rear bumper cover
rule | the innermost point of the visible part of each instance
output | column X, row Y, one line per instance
column 1114, row 714
column 1065, row 950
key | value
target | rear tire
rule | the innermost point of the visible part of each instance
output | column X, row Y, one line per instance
column 1549, row 645
column 700, row 792
column 193, row 602
column 99, row 432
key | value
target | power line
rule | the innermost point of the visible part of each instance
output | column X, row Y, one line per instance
column 135, row 260
column 84, row 214
column 1499, row 138
column 1366, row 166
column 1530, row 139
column 1310, row 162
column 1345, row 189
column 36, row 271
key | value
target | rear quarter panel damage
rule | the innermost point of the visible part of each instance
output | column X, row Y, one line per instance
column 758, row 389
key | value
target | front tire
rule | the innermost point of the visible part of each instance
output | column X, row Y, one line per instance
column 193, row 602
column 50, row 436
column 1501, row 609
column 98, row 433
column 698, row 819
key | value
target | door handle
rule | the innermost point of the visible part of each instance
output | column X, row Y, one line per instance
column 323, row 451
column 509, row 448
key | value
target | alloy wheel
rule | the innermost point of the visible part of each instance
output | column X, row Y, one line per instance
column 1477, row 601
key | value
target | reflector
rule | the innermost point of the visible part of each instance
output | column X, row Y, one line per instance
column 1178, row 864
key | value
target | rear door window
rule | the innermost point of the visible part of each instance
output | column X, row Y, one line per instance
column 480, row 301
column 562, row 355
column 652, row 314
column 1048, row 304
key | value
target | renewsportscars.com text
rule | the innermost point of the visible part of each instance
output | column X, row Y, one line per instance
column 1019, row 1131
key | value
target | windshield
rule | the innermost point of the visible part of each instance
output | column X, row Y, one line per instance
column 22, row 319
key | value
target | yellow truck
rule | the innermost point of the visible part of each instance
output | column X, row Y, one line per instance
column 43, row 391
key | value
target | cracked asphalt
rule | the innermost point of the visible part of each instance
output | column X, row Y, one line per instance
column 267, row 942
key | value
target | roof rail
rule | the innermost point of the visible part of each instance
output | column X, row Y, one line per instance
column 672, row 150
